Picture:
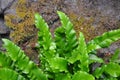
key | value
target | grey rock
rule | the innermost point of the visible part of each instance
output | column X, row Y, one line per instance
column 4, row 7
column 5, row 3
column 95, row 8
column 109, row 10
column 3, row 28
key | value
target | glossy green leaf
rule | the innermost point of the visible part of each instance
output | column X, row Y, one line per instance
column 60, row 40
column 82, row 45
column 93, row 58
column 99, row 71
column 80, row 52
column 83, row 52
column 44, row 32
column 115, row 56
column 47, row 46
column 80, row 75
column 110, row 78
column 8, row 74
column 75, row 56
column 70, row 34
column 104, row 40
column 63, row 58
column 58, row 64
column 62, row 76
column 5, row 61
column 113, row 69
column 22, row 61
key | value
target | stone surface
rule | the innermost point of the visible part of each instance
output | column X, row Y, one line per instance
column 92, row 17
column 105, row 15
column 4, row 30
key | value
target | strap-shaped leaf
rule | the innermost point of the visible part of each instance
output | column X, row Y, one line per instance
column 22, row 61
column 82, row 45
column 81, row 75
column 71, row 40
column 80, row 53
column 94, row 58
column 58, row 64
column 63, row 76
column 45, row 37
column 113, row 69
column 75, row 56
column 104, row 40
column 60, row 40
column 115, row 56
column 8, row 74
column 83, row 51
column 47, row 46
column 99, row 71
column 5, row 61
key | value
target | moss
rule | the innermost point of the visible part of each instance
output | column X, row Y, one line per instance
column 83, row 24
column 22, row 26
column 86, row 25
column 10, row 21
column 22, row 22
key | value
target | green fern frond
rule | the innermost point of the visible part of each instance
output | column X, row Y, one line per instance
column 60, row 40
column 115, row 56
column 80, row 53
column 45, row 37
column 84, row 55
column 22, row 61
column 5, row 61
column 8, row 74
column 47, row 46
column 104, row 40
column 81, row 75
column 63, row 57
column 70, row 34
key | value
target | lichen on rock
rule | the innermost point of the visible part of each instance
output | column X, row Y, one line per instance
column 21, row 23
column 90, row 17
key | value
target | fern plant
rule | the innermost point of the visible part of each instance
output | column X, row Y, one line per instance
column 64, row 57
column 15, row 59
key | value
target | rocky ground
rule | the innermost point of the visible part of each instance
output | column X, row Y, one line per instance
column 4, row 30
column 100, row 15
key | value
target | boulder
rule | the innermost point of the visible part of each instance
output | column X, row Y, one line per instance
column 92, row 17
